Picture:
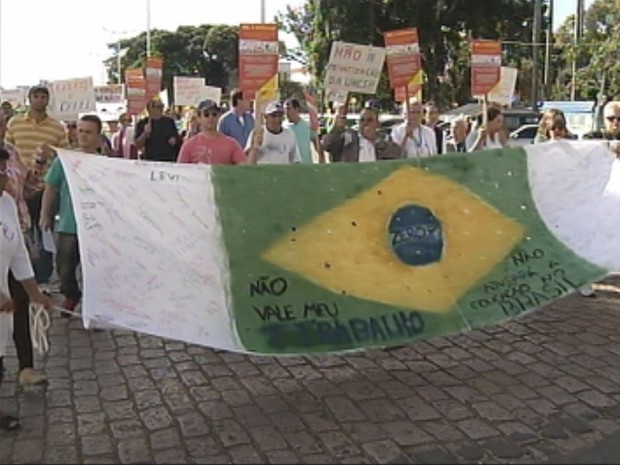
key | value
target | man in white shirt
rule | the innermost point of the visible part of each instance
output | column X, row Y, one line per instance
column 273, row 143
column 416, row 140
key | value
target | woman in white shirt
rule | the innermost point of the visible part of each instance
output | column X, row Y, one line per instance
column 416, row 140
column 492, row 136
column 14, row 257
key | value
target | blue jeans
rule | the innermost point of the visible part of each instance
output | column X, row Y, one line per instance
column 44, row 264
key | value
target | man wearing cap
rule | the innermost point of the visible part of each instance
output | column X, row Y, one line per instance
column 273, row 143
column 210, row 146
column 157, row 136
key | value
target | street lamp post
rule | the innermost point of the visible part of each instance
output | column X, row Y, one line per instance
column 263, row 15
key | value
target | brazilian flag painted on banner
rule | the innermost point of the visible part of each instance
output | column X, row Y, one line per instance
column 338, row 257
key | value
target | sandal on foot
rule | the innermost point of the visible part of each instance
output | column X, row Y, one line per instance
column 9, row 423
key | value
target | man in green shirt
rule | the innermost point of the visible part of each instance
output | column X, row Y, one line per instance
column 67, row 254
column 303, row 133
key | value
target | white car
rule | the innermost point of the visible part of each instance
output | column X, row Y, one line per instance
column 524, row 135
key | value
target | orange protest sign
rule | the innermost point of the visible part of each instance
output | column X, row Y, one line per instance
column 258, row 59
column 154, row 71
column 486, row 65
column 135, row 85
column 403, row 56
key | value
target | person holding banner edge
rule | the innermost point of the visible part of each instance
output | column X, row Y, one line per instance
column 14, row 257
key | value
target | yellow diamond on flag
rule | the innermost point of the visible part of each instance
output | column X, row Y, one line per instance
column 415, row 240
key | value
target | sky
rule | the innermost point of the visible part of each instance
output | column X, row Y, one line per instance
column 63, row 39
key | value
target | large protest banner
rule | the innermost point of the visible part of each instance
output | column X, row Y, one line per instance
column 71, row 97
column 352, row 68
column 258, row 61
column 256, row 259
column 486, row 64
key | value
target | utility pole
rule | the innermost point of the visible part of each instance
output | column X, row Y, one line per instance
column 548, row 40
column 536, row 27
column 148, row 28
column 578, row 33
column 263, row 12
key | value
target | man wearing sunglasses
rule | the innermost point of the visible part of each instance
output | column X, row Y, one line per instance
column 157, row 136
column 611, row 132
column 273, row 143
column 364, row 145
column 210, row 146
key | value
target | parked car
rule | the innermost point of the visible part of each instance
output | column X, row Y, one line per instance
column 525, row 135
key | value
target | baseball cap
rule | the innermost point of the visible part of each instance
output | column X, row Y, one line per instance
column 39, row 88
column 208, row 104
column 274, row 107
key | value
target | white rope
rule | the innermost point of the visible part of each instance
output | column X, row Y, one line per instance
column 40, row 323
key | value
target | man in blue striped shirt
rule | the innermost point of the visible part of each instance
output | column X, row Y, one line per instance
column 238, row 122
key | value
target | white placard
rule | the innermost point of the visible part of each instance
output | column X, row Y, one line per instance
column 17, row 97
column 71, row 97
column 504, row 90
column 188, row 90
column 151, row 249
column 213, row 93
column 353, row 68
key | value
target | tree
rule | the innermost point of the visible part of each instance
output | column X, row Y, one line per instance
column 443, row 27
column 204, row 51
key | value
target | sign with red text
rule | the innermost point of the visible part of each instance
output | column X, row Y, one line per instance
column 154, row 72
column 258, row 60
column 486, row 65
column 71, row 97
column 353, row 68
column 136, row 91
column 403, row 56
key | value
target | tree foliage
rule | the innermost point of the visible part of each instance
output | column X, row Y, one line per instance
column 443, row 27
column 200, row 51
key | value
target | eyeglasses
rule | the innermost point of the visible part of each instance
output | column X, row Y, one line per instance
column 611, row 119
column 212, row 114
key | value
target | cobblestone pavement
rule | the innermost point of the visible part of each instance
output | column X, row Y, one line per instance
column 521, row 392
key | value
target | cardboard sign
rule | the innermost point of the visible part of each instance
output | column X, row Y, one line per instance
column 503, row 92
column 111, row 93
column 486, row 64
column 403, row 56
column 187, row 90
column 17, row 97
column 353, row 68
column 258, row 60
column 71, row 97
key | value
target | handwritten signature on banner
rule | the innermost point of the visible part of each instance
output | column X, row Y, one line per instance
column 142, row 238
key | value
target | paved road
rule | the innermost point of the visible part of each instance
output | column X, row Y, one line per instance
column 542, row 388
